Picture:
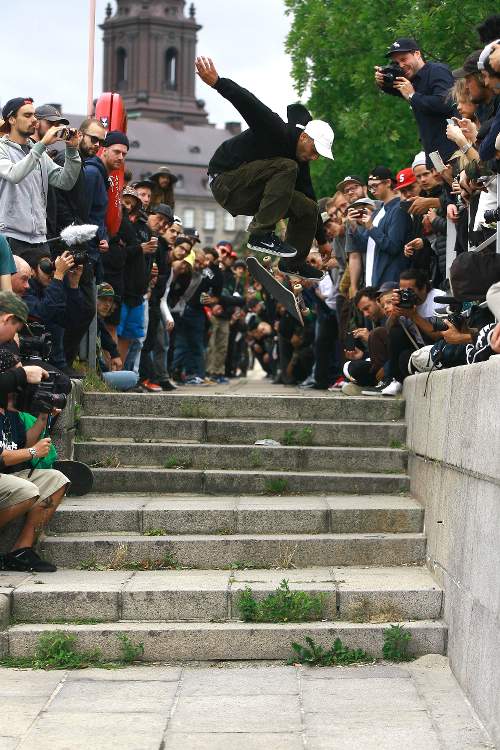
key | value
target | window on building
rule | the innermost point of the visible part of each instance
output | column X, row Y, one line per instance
column 121, row 67
column 180, row 182
column 229, row 222
column 209, row 220
column 171, row 72
column 188, row 217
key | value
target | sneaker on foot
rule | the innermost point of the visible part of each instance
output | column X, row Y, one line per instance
column 221, row 379
column 151, row 387
column 351, row 389
column 393, row 389
column 300, row 270
column 375, row 390
column 271, row 244
column 337, row 386
column 167, row 385
column 26, row 559
column 194, row 380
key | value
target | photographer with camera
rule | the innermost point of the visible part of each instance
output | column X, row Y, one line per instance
column 425, row 86
column 411, row 324
column 26, row 172
column 54, row 299
column 39, row 496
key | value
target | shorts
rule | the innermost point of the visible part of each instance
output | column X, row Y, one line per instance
column 17, row 488
column 131, row 322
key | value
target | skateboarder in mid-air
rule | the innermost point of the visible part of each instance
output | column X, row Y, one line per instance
column 264, row 172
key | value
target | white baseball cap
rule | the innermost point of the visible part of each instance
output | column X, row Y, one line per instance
column 485, row 54
column 420, row 160
column 322, row 135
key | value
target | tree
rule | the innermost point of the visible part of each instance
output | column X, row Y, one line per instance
column 334, row 46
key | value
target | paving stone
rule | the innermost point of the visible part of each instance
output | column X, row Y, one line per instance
column 241, row 741
column 237, row 713
column 108, row 697
column 8, row 743
column 135, row 673
column 79, row 731
column 240, row 682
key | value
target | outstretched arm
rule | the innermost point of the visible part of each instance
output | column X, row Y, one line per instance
column 253, row 111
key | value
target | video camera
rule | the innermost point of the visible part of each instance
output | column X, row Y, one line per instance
column 491, row 216
column 453, row 314
column 44, row 397
column 37, row 344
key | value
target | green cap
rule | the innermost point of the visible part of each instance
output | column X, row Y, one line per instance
column 106, row 290
column 11, row 303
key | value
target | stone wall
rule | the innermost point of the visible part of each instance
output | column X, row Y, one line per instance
column 454, row 441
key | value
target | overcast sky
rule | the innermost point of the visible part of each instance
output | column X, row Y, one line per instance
column 46, row 57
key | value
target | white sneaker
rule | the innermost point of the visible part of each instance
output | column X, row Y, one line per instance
column 347, row 374
column 351, row 389
column 393, row 389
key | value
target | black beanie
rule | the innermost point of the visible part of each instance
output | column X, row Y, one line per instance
column 114, row 137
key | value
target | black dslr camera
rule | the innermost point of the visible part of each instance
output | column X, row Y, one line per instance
column 44, row 397
column 407, row 298
column 390, row 73
column 37, row 345
column 492, row 215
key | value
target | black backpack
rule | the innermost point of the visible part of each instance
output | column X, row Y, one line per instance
column 472, row 274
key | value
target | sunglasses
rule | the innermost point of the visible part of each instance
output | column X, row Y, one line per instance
column 94, row 139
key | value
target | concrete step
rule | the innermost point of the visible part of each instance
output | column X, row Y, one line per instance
column 203, row 456
column 202, row 514
column 170, row 429
column 328, row 407
column 256, row 482
column 205, row 551
column 351, row 594
column 226, row 641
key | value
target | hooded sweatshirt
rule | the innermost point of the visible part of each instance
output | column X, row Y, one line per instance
column 25, row 176
column 96, row 182
column 267, row 137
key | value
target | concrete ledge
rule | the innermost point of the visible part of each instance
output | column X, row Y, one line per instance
column 454, row 442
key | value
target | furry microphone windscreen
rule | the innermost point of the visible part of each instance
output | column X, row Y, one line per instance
column 77, row 234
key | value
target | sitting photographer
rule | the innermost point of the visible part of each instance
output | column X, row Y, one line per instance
column 411, row 324
column 366, row 348
column 38, row 496
column 425, row 86
column 109, row 362
column 54, row 299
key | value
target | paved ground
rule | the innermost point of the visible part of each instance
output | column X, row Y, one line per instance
column 244, row 707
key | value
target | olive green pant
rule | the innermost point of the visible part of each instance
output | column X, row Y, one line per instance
column 265, row 189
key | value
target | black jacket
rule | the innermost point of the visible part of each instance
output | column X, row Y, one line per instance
column 268, row 137
column 124, row 264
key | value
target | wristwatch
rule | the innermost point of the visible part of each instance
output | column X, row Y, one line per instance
column 33, row 452
column 465, row 147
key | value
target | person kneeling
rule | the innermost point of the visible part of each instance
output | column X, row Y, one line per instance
column 35, row 493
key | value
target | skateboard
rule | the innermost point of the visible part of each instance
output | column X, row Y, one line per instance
column 291, row 298
column 80, row 476
column 110, row 110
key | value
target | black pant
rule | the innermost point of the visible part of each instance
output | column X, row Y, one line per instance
column 400, row 351
column 326, row 349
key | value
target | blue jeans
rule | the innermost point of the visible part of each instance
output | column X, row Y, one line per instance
column 189, row 355
column 121, row 380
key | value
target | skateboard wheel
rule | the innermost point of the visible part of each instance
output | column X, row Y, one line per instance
column 266, row 259
column 297, row 288
column 305, row 311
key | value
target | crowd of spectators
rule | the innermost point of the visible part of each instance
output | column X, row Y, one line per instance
column 170, row 313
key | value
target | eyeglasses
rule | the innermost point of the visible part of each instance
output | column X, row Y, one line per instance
column 95, row 140
column 373, row 185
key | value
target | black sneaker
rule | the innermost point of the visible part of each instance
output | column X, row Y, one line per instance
column 167, row 385
column 375, row 390
column 25, row 559
column 301, row 270
column 271, row 245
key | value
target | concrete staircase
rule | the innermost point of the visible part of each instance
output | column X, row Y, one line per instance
column 179, row 483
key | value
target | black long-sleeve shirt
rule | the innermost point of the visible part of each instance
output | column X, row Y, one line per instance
column 267, row 137
column 431, row 107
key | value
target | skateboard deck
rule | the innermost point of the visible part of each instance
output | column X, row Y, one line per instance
column 110, row 110
column 80, row 475
column 291, row 299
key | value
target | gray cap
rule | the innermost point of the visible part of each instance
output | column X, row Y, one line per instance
column 164, row 210
column 388, row 286
column 364, row 202
column 469, row 67
column 50, row 113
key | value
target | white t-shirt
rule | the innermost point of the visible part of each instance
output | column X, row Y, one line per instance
column 428, row 308
column 370, row 249
column 327, row 290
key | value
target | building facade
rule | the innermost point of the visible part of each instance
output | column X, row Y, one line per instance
column 149, row 54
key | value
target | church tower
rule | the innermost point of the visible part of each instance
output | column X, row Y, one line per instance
column 149, row 53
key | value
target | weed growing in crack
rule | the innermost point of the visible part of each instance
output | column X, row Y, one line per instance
column 338, row 655
column 396, row 642
column 282, row 605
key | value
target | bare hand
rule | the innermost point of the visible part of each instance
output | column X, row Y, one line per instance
column 453, row 336
column 367, row 218
column 35, row 374
column 468, row 128
column 74, row 276
column 361, row 333
column 115, row 364
column 495, row 339
column 103, row 246
column 150, row 246
column 420, row 206
column 63, row 264
column 379, row 77
column 206, row 71
column 495, row 57
column 170, row 326
column 455, row 134
column 75, row 141
column 52, row 135
column 452, row 213
column 404, row 86
column 43, row 447
column 354, row 216
column 412, row 246
column 353, row 354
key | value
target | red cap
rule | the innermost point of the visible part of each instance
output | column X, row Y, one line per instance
column 405, row 177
